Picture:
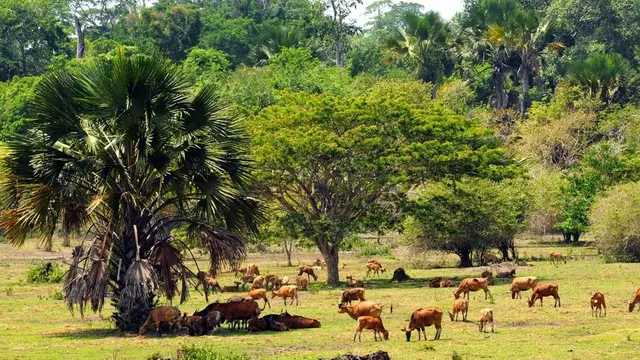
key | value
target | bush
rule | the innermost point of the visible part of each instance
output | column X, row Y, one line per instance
column 615, row 220
column 371, row 249
column 455, row 95
column 45, row 272
column 208, row 353
column 57, row 295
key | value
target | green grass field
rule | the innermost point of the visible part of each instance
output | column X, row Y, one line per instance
column 35, row 326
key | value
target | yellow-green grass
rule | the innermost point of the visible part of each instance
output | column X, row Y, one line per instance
column 34, row 326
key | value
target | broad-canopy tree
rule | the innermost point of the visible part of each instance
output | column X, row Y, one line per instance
column 120, row 144
column 467, row 216
column 332, row 161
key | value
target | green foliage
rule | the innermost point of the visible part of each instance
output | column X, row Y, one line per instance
column 57, row 295
column 424, row 40
column 456, row 96
column 209, row 353
column 15, row 97
column 465, row 216
column 45, row 272
column 547, row 200
column 615, row 225
column 32, row 32
column 205, row 66
column 370, row 249
column 608, row 77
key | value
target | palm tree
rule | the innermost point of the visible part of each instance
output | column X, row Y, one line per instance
column 276, row 38
column 603, row 75
column 424, row 40
column 119, row 147
column 522, row 33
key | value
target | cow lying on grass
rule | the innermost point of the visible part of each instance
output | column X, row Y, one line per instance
column 282, row 322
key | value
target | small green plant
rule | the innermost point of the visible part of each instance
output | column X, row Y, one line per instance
column 429, row 347
column 456, row 356
column 209, row 353
column 45, row 272
column 9, row 290
column 56, row 295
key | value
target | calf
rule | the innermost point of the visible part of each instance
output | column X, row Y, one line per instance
column 374, row 261
column 556, row 257
column 253, row 270
column 206, row 323
column 363, row 308
column 447, row 283
column 161, row 315
column 319, row 263
column 422, row 318
column 472, row 284
column 490, row 259
column 375, row 268
column 302, row 283
column 287, row 291
column 544, row 290
column 636, row 300
column 354, row 283
column 597, row 303
column 522, row 284
column 258, row 282
column 247, row 279
column 304, row 269
column 459, row 306
column 257, row 294
column 350, row 295
column 486, row 316
column 271, row 280
column 235, row 288
column 371, row 323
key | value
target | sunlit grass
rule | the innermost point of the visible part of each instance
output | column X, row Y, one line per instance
column 34, row 326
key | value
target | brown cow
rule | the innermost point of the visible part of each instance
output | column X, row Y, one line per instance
column 422, row 318
column 162, row 315
column 350, row 295
column 371, row 323
column 544, row 290
column 472, row 284
column 304, row 269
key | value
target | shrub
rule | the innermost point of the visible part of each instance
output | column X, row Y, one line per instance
column 45, row 272
column 615, row 220
column 57, row 295
column 9, row 290
column 371, row 249
column 208, row 353
column 455, row 95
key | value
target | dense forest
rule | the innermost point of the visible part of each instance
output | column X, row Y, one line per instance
column 514, row 116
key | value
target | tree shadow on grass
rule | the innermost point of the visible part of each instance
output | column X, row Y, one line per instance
column 89, row 334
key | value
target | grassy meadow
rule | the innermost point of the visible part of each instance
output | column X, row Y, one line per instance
column 36, row 326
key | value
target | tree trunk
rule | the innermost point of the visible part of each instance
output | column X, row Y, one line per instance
column 505, row 252
column 80, row 47
column 524, row 97
column 498, row 80
column 567, row 237
column 331, row 258
column 288, row 248
column 66, row 240
column 465, row 258
column 339, row 53
column 576, row 236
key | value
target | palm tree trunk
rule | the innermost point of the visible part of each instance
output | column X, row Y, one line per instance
column 80, row 47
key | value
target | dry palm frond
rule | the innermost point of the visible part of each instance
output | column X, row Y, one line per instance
column 98, row 279
column 224, row 247
column 168, row 260
column 75, row 284
column 140, row 280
